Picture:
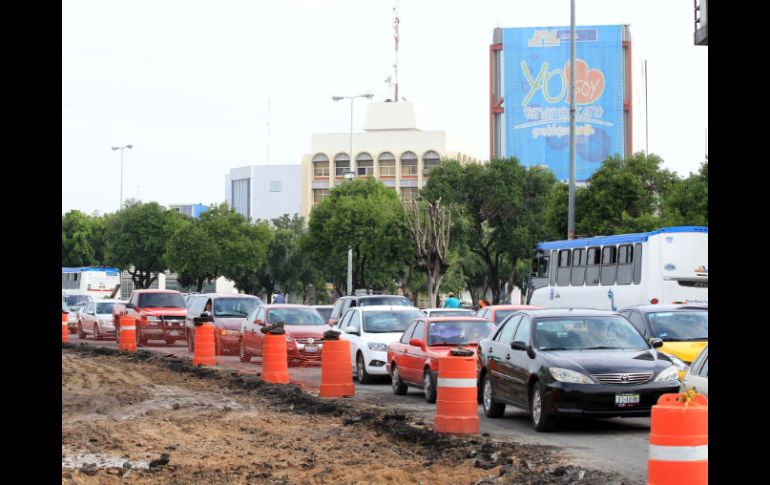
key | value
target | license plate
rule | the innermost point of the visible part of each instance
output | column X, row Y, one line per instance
column 623, row 400
column 174, row 333
column 311, row 348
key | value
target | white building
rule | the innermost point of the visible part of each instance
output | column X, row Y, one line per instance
column 264, row 191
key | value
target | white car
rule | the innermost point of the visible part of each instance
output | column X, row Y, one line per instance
column 697, row 376
column 96, row 319
column 370, row 329
column 449, row 312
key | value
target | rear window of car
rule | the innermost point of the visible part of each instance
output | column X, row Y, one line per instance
column 384, row 300
column 235, row 307
column 384, row 321
column 104, row 307
column 77, row 300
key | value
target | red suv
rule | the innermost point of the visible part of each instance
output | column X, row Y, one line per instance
column 159, row 315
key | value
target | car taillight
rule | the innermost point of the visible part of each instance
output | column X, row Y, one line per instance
column 654, row 301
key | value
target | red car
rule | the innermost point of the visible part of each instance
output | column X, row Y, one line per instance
column 304, row 332
column 497, row 313
column 159, row 315
column 413, row 361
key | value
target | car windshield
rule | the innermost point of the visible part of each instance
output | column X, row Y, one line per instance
column 584, row 333
column 451, row 313
column 384, row 300
column 458, row 332
column 76, row 302
column 161, row 300
column 500, row 315
column 104, row 308
column 680, row 325
column 235, row 307
column 383, row 321
column 64, row 307
column 326, row 313
column 294, row 316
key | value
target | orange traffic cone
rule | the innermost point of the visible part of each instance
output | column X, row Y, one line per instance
column 127, row 334
column 204, row 345
column 336, row 378
column 456, row 398
column 679, row 441
column 65, row 329
column 275, row 361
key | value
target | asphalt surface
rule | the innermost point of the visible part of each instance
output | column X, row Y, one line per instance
column 615, row 444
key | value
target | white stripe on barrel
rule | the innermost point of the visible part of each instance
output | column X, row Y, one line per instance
column 127, row 328
column 679, row 453
column 64, row 324
column 456, row 382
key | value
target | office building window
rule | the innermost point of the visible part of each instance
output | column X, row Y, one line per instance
column 408, row 163
column 341, row 164
column 241, row 190
column 429, row 160
column 387, row 164
column 319, row 194
column 365, row 164
column 320, row 165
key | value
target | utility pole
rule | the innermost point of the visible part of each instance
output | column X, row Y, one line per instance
column 571, row 209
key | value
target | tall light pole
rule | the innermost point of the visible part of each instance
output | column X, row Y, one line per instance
column 351, row 98
column 121, row 171
column 571, row 209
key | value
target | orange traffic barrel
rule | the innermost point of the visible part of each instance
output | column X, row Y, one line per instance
column 127, row 334
column 65, row 329
column 679, row 441
column 204, row 345
column 457, row 398
column 336, row 375
column 275, row 361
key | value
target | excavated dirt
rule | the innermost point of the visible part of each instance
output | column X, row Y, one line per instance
column 145, row 418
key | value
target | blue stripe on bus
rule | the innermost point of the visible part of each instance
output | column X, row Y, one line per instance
column 619, row 239
column 88, row 268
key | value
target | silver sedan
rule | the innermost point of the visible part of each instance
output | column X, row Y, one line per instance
column 95, row 319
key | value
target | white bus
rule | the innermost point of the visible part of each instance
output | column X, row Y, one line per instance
column 666, row 266
column 96, row 281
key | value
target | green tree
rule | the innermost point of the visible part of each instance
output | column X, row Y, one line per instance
column 82, row 239
column 687, row 202
column 135, row 239
column 192, row 253
column 366, row 216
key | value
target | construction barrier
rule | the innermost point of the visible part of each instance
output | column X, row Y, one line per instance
column 275, row 367
column 204, row 345
column 127, row 334
column 336, row 377
column 457, row 401
column 65, row 329
column 679, row 440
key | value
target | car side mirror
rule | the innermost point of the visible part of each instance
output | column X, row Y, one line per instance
column 206, row 315
column 258, row 322
column 352, row 330
column 518, row 345
column 415, row 342
column 656, row 343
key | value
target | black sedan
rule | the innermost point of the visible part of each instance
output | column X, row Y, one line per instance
column 570, row 362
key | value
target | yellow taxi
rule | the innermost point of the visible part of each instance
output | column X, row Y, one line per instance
column 683, row 328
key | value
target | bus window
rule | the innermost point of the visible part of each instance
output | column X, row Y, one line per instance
column 625, row 264
column 592, row 267
column 609, row 265
column 543, row 267
column 554, row 257
column 563, row 271
column 637, row 263
column 578, row 267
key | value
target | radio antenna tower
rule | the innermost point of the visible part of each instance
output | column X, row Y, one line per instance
column 396, row 21
column 268, row 128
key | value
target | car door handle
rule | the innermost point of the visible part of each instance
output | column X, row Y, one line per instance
column 508, row 357
column 490, row 350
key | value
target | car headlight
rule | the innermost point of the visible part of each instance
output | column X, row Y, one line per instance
column 571, row 376
column 378, row 347
column 679, row 363
column 668, row 374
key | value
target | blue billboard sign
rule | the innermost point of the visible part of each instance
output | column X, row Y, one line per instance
column 536, row 79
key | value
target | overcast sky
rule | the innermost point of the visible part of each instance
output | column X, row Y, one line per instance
column 187, row 82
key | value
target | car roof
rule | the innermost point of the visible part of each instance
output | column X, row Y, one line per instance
column 287, row 305
column 156, row 291
column 448, row 309
column 385, row 308
column 227, row 295
column 567, row 312
column 364, row 297
column 458, row 319
column 322, row 306
column 648, row 308
column 512, row 307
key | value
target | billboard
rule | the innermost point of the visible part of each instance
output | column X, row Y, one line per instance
column 535, row 81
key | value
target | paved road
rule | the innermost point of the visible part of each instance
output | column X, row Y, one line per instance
column 617, row 444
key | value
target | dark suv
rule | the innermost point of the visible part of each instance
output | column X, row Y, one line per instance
column 345, row 302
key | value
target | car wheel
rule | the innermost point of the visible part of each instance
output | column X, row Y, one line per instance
column 363, row 376
column 492, row 409
column 244, row 356
column 399, row 388
column 429, row 386
column 81, row 333
column 540, row 419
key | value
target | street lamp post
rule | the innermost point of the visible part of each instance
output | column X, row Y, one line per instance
column 351, row 98
column 121, row 171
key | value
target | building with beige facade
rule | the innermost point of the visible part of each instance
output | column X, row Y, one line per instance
column 392, row 148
